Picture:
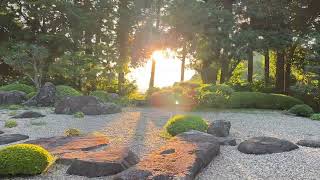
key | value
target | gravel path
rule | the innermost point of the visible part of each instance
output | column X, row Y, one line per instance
column 139, row 128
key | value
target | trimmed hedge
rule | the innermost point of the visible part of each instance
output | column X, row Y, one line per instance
column 66, row 91
column 315, row 117
column 18, row 87
column 215, row 96
column 102, row 95
column 24, row 159
column 301, row 110
column 183, row 123
column 262, row 101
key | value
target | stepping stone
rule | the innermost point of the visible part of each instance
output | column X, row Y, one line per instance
column 312, row 142
column 266, row 145
column 219, row 128
column 29, row 114
column 61, row 145
column 11, row 138
column 1, row 132
column 182, row 157
column 109, row 161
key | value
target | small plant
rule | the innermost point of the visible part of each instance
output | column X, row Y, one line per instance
column 11, row 123
column 15, row 107
column 79, row 115
column 301, row 110
column 12, row 113
column 72, row 132
column 315, row 117
column 183, row 123
column 24, row 159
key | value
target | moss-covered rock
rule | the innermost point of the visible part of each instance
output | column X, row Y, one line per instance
column 183, row 123
column 24, row 159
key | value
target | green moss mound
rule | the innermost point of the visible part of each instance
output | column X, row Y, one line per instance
column 301, row 110
column 102, row 95
column 24, row 159
column 262, row 101
column 31, row 95
column 18, row 87
column 183, row 123
column 66, row 91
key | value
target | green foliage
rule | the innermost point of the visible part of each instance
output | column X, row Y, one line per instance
column 18, row 87
column 15, row 107
column 102, row 95
column 66, row 91
column 13, row 113
column 31, row 95
column 72, row 132
column 10, row 123
column 24, row 159
column 315, row 117
column 216, row 96
column 262, row 101
column 79, row 115
column 183, row 123
column 308, row 93
column 301, row 110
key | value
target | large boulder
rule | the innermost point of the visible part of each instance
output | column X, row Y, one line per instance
column 183, row 157
column 46, row 96
column 11, row 138
column 106, row 162
column 266, row 145
column 313, row 142
column 219, row 128
column 89, row 105
column 12, row 97
column 29, row 114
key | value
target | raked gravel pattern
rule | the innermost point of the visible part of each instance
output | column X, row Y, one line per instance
column 139, row 128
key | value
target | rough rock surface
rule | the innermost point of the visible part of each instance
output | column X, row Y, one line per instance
column 219, row 128
column 12, row 97
column 183, row 157
column 45, row 97
column 310, row 142
column 266, row 145
column 106, row 162
column 89, row 105
column 1, row 132
column 61, row 145
column 11, row 138
column 29, row 114
column 227, row 141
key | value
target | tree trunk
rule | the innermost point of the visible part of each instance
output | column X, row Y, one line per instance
column 287, row 76
column 280, row 72
column 121, row 83
column 209, row 73
column 183, row 63
column 266, row 68
column 153, row 71
column 250, row 66
column 224, row 70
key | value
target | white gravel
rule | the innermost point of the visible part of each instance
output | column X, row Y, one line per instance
column 139, row 128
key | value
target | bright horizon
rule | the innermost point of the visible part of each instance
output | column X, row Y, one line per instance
column 168, row 71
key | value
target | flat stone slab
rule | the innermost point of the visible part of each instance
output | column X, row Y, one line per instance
column 61, row 145
column 182, row 157
column 11, row 138
column 311, row 142
column 266, row 145
column 29, row 114
column 109, row 161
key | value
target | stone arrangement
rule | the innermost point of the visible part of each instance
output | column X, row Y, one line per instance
column 12, row 97
column 89, row 105
column 45, row 97
column 220, row 129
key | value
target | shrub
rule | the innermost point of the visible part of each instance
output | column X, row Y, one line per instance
column 31, row 95
column 13, row 113
column 301, row 110
column 262, row 101
column 315, row 117
column 79, row 115
column 15, row 107
column 11, row 123
column 72, row 132
column 216, row 96
column 18, row 87
column 24, row 159
column 310, row 94
column 102, row 95
column 183, row 123
column 66, row 91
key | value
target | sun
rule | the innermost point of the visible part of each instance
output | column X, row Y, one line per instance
column 167, row 72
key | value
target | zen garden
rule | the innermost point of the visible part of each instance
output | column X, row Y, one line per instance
column 160, row 89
